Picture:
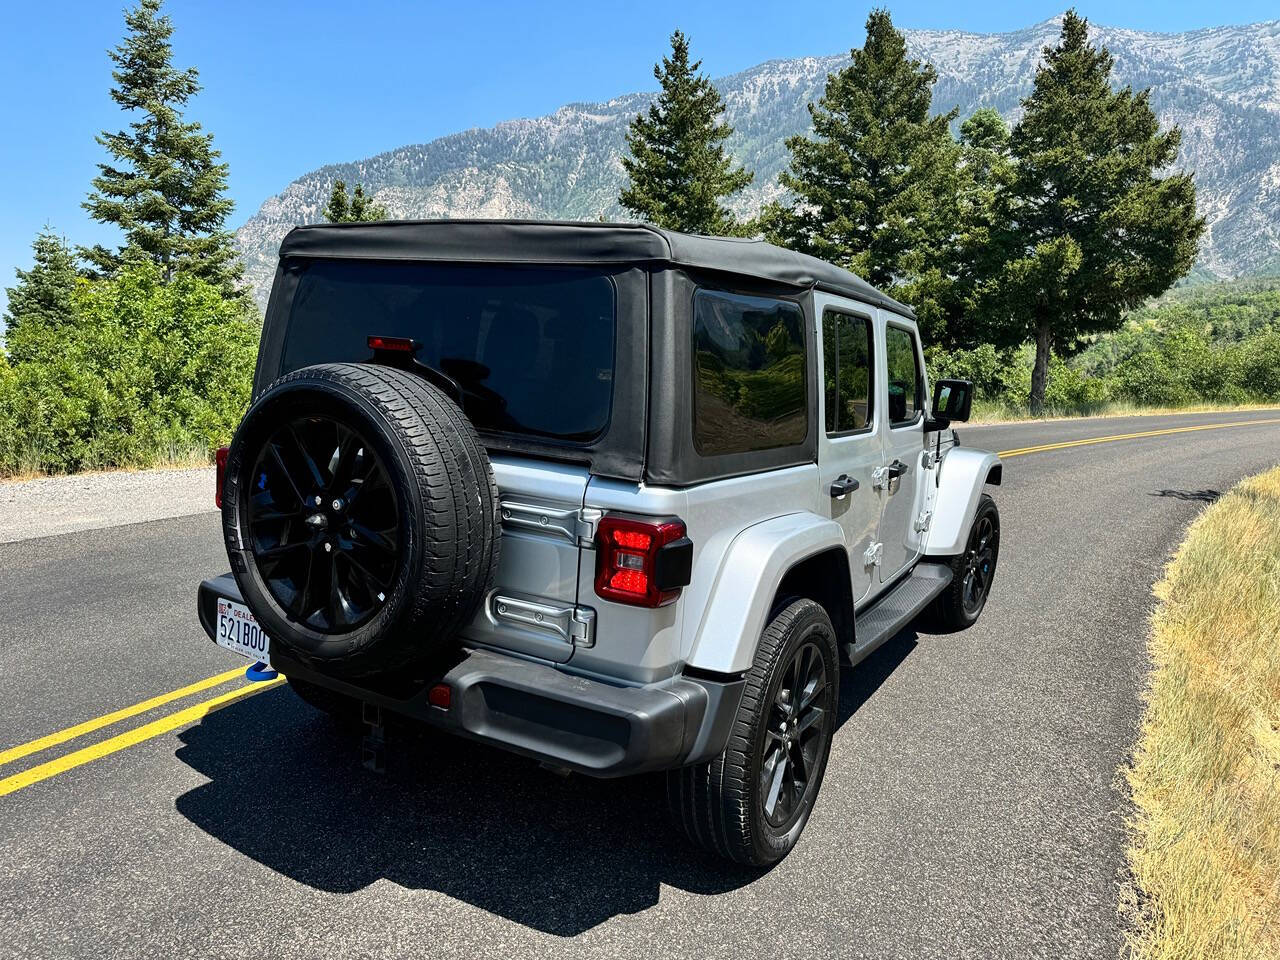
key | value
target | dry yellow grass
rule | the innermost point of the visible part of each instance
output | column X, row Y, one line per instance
column 1205, row 855
column 987, row 413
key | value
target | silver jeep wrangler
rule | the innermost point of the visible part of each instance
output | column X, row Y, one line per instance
column 615, row 498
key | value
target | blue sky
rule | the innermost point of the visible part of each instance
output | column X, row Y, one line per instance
column 289, row 86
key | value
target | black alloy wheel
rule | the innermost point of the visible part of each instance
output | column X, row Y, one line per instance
column 980, row 563
column 794, row 736
column 323, row 522
column 751, row 802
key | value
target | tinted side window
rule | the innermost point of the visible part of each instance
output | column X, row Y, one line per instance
column 847, row 377
column 748, row 373
column 905, row 381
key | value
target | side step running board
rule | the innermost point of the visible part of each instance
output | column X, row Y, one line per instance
column 897, row 608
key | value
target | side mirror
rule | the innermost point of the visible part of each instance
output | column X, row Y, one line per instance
column 952, row 400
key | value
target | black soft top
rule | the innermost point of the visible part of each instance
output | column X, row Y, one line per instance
column 567, row 242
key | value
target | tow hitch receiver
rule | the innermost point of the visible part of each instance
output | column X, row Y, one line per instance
column 373, row 749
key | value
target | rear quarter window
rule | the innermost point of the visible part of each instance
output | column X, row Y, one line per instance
column 749, row 390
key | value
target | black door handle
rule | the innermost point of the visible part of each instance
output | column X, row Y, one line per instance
column 897, row 469
column 842, row 486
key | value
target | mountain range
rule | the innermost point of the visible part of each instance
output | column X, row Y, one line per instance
column 1221, row 85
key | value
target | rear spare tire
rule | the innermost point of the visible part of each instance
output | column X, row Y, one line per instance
column 361, row 517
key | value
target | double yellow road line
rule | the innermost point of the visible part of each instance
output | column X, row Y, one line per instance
column 190, row 714
column 162, row 725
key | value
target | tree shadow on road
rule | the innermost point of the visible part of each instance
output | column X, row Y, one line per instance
column 558, row 854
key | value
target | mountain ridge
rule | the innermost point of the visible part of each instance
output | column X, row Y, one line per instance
column 1221, row 85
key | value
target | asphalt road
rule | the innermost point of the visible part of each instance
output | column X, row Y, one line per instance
column 972, row 806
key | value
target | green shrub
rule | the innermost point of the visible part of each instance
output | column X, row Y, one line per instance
column 145, row 371
column 1072, row 390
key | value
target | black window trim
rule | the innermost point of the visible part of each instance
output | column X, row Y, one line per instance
column 917, row 351
column 671, row 460
column 869, row 319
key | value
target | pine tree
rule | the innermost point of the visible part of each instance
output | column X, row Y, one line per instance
column 40, row 302
column 357, row 208
column 678, row 168
column 986, row 170
column 1091, row 228
column 166, row 186
column 875, row 187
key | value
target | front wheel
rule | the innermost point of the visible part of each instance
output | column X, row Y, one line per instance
column 973, row 571
column 750, row 803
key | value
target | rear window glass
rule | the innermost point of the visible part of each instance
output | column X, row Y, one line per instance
column 749, row 373
column 532, row 349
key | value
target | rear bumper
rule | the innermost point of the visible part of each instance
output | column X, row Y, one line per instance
column 535, row 709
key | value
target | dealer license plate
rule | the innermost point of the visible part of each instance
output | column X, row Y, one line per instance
column 239, row 631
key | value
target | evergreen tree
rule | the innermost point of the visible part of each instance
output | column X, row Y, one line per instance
column 1091, row 228
column 357, row 208
column 40, row 302
column 678, row 168
column 875, row 187
column 165, row 187
column 986, row 169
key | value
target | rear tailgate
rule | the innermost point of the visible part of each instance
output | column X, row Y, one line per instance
column 533, row 608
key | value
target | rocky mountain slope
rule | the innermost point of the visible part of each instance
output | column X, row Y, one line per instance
column 1221, row 85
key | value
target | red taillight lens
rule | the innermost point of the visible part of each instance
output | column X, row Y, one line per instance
column 441, row 696
column 641, row 562
column 395, row 344
column 220, row 458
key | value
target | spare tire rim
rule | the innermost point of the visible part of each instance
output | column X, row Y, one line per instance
column 324, row 524
column 795, row 736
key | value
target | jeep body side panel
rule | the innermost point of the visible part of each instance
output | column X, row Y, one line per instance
column 854, row 454
column 640, row 645
column 906, row 494
column 632, row 644
column 742, row 593
column 962, row 475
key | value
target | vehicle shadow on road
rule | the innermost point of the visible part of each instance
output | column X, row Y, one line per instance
column 558, row 854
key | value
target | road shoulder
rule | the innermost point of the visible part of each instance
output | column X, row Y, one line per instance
column 49, row 506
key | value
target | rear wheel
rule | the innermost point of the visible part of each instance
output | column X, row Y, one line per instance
column 751, row 803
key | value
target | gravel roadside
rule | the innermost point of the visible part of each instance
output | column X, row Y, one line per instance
column 48, row 506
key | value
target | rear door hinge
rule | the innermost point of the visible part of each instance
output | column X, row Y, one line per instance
column 923, row 521
column 873, row 556
column 578, row 526
column 582, row 628
column 588, row 518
